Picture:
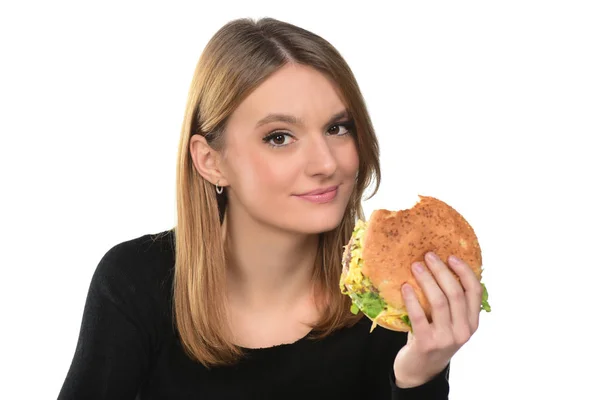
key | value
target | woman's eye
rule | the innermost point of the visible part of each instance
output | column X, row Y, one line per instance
column 339, row 129
column 278, row 139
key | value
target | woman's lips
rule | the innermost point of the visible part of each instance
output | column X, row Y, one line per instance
column 320, row 196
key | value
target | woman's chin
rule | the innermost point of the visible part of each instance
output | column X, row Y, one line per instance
column 319, row 224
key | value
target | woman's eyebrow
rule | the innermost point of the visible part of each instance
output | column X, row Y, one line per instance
column 290, row 119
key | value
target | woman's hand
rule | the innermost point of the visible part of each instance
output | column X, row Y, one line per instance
column 455, row 312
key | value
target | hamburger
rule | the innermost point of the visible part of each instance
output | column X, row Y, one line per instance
column 378, row 257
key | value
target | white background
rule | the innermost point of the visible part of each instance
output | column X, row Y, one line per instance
column 493, row 107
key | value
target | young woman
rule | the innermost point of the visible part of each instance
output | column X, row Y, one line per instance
column 241, row 299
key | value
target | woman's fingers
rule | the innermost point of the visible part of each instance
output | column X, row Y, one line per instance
column 473, row 289
column 455, row 295
column 440, row 311
column 418, row 319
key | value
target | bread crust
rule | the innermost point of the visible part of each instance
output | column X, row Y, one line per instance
column 396, row 239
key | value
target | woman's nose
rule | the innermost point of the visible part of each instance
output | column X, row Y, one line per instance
column 320, row 158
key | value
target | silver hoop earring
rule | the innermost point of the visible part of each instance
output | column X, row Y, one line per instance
column 219, row 188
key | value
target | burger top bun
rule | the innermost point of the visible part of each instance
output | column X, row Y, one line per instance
column 394, row 240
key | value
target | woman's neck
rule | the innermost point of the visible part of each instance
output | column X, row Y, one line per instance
column 267, row 266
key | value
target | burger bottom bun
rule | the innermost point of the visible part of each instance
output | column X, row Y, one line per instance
column 397, row 325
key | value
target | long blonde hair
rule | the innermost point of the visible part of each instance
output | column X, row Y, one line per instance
column 237, row 59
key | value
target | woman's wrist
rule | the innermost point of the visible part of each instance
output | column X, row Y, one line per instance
column 406, row 381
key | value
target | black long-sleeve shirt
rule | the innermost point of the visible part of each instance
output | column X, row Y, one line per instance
column 128, row 347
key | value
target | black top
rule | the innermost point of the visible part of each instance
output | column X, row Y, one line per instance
column 128, row 347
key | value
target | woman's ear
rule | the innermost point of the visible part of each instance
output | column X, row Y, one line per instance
column 206, row 160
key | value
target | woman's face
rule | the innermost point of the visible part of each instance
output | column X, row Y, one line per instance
column 294, row 173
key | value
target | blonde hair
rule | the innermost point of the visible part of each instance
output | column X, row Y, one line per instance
column 237, row 59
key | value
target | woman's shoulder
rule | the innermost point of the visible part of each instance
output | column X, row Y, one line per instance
column 135, row 255
column 150, row 243
column 140, row 265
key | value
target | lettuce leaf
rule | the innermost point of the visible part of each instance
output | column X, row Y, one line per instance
column 370, row 303
column 485, row 305
column 406, row 320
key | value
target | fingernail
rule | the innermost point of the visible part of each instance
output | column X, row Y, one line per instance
column 431, row 256
column 453, row 259
column 406, row 289
column 417, row 267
